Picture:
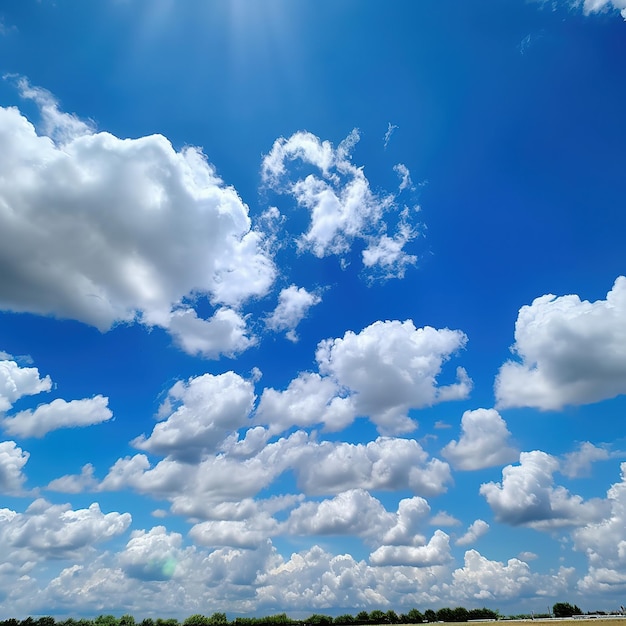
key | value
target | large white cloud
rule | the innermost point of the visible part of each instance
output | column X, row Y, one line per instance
column 58, row 414
column 391, row 367
column 386, row 463
column 17, row 382
column 435, row 552
column 57, row 531
column 484, row 442
column 106, row 230
column 198, row 415
column 12, row 461
column 342, row 206
column 527, row 496
column 571, row 352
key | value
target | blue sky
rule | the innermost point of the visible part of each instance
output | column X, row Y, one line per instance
column 311, row 306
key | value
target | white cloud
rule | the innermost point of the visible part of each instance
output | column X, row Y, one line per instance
column 527, row 496
column 199, row 414
column 353, row 512
column 223, row 333
column 246, row 534
column 342, row 206
column 85, row 481
column 384, row 464
column 476, row 530
column 293, row 305
column 482, row 580
column 151, row 555
column 58, row 414
column 571, row 352
column 390, row 130
column 391, row 367
column 57, row 531
column 483, row 443
column 444, row 518
column 123, row 229
column 596, row 6
column 435, row 552
column 12, row 461
column 308, row 400
column 411, row 516
column 578, row 463
column 17, row 382
column 405, row 176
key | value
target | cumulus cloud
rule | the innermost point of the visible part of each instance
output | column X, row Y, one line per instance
column 308, row 400
column 578, row 463
column 483, row 443
column 246, row 534
column 384, row 464
column 17, row 382
column 475, row 531
column 85, row 481
column 391, row 367
column 198, row 415
column 293, row 305
column 481, row 579
column 527, row 496
column 571, row 352
column 12, row 461
column 435, row 552
column 596, row 6
column 57, row 531
column 342, row 206
column 151, row 555
column 58, row 414
column 107, row 230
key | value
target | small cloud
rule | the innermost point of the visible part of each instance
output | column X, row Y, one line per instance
column 527, row 556
column 390, row 128
column 444, row 519
column 440, row 424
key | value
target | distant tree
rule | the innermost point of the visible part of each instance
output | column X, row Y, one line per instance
column 148, row 621
column 218, row 619
column 430, row 615
column 196, row 620
column 363, row 617
column 127, row 620
column 316, row 618
column 414, row 617
column 565, row 609
column 344, row 619
column 460, row 614
column 445, row 614
column 377, row 617
column 391, row 617
column 106, row 620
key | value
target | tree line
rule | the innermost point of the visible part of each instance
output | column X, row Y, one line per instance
column 363, row 618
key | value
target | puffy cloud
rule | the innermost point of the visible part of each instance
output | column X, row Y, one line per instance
column 199, row 414
column 483, row 442
column 595, row 6
column 391, row 367
column 149, row 227
column 411, row 515
column 85, row 481
column 476, row 530
column 527, row 496
column 481, row 579
column 578, row 463
column 12, row 461
column 293, row 305
column 151, row 555
column 308, row 400
column 604, row 543
column 58, row 414
column 571, row 352
column 386, row 463
column 223, row 333
column 56, row 531
column 17, row 382
column 248, row 533
column 435, row 552
column 353, row 512
column 342, row 206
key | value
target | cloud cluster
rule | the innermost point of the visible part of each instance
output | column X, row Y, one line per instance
column 293, row 306
column 527, row 496
column 570, row 352
column 107, row 230
column 342, row 206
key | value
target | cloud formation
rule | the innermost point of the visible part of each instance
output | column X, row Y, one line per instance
column 570, row 351
column 107, row 230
